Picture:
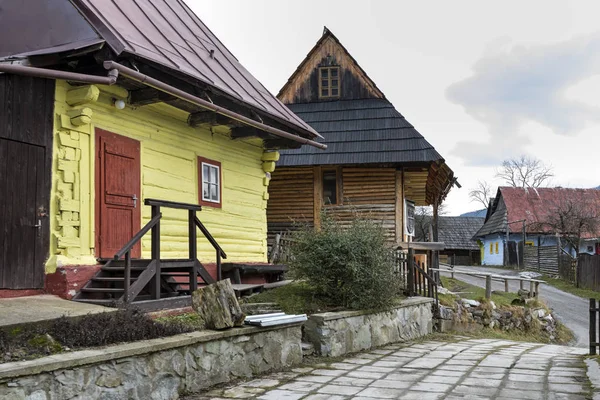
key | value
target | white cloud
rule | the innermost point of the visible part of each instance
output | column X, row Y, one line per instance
column 512, row 85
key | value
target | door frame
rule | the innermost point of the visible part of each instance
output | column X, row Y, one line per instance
column 98, row 195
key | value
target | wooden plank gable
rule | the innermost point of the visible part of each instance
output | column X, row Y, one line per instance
column 303, row 85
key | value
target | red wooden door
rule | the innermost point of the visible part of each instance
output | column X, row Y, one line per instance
column 118, row 215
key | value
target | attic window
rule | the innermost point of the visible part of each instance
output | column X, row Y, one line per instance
column 329, row 82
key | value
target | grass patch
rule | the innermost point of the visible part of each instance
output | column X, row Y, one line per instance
column 189, row 320
column 295, row 298
column 569, row 287
column 563, row 335
column 299, row 298
column 468, row 291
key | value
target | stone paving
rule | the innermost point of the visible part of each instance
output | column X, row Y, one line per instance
column 466, row 369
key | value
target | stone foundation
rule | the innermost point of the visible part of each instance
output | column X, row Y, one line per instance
column 337, row 333
column 66, row 281
column 154, row 369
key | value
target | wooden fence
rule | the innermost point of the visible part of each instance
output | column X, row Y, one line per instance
column 588, row 272
column 594, row 326
column 542, row 259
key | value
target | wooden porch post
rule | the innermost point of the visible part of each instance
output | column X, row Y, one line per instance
column 193, row 255
column 155, row 288
column 318, row 196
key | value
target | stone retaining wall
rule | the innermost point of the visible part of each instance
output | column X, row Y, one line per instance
column 154, row 369
column 337, row 333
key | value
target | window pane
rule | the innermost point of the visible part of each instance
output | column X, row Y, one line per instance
column 324, row 92
column 324, row 83
column 334, row 83
column 334, row 92
column 324, row 73
column 334, row 72
column 205, row 194
column 214, row 193
column 213, row 174
column 205, row 169
column 330, row 187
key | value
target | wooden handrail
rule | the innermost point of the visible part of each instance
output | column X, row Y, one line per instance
column 210, row 238
column 138, row 236
column 172, row 204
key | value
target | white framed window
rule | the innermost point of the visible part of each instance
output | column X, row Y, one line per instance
column 209, row 177
column 409, row 215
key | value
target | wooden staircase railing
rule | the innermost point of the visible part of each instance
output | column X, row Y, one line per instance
column 154, row 277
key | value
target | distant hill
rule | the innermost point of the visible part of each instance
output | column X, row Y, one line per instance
column 478, row 213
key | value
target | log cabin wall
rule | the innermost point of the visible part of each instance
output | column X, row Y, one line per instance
column 291, row 199
column 295, row 196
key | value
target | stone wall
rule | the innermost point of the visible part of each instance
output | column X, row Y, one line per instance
column 153, row 369
column 337, row 333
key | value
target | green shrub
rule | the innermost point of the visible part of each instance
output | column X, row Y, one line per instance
column 349, row 266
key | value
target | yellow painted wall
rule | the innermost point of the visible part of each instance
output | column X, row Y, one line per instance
column 169, row 150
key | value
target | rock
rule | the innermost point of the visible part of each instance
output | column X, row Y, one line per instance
column 217, row 306
column 523, row 293
column 493, row 324
column 477, row 313
column 540, row 312
column 471, row 303
column 493, row 305
column 548, row 318
column 446, row 312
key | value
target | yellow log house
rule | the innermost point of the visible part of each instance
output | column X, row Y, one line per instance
column 136, row 157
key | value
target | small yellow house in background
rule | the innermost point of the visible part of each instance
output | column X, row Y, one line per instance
column 127, row 120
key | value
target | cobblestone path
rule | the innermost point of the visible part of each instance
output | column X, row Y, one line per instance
column 467, row 369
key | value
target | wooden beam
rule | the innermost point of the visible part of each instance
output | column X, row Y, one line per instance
column 274, row 144
column 318, row 195
column 142, row 97
column 211, row 118
column 399, row 207
column 246, row 132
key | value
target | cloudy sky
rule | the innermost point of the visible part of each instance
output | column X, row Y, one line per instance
column 481, row 81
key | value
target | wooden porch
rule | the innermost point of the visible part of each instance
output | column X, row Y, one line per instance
column 155, row 283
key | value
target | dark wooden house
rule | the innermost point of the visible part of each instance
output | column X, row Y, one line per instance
column 457, row 235
column 376, row 164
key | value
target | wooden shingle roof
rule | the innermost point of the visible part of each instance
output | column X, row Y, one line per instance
column 457, row 232
column 363, row 131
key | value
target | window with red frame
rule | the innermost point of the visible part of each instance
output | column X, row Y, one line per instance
column 209, row 182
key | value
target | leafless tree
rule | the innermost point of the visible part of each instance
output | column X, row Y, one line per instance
column 423, row 217
column 524, row 172
column 572, row 219
column 481, row 193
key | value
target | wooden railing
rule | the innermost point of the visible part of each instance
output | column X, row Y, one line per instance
column 594, row 327
column 534, row 284
column 415, row 280
column 152, row 273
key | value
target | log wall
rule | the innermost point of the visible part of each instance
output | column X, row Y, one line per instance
column 295, row 197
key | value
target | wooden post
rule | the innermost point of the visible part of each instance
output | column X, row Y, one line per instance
column 127, row 279
column 155, row 249
column 593, row 333
column 488, row 287
column 411, row 272
column 193, row 249
column 537, row 289
column 219, row 272
column 531, row 289
column 521, row 284
column 452, row 272
column 318, row 196
column 506, row 285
